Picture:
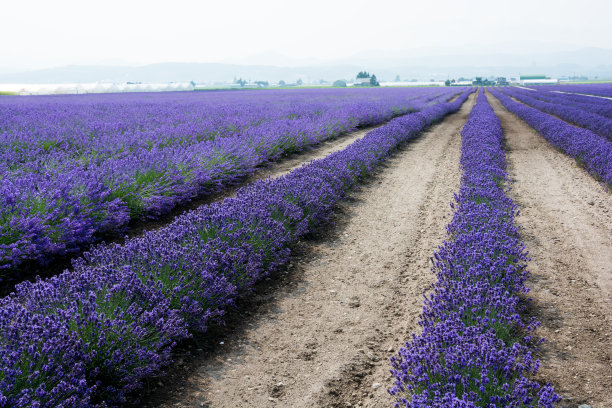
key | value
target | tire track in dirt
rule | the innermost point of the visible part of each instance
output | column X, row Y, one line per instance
column 326, row 334
column 566, row 224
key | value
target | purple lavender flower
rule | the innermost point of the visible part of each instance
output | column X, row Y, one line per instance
column 90, row 336
column 592, row 151
column 475, row 349
column 564, row 107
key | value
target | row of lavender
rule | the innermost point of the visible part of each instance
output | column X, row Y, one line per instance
column 599, row 106
column 562, row 105
column 587, row 148
column 75, row 167
column 475, row 349
column 604, row 90
column 91, row 335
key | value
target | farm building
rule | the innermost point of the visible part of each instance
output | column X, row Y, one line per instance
column 362, row 81
column 537, row 80
column 467, row 82
column 502, row 81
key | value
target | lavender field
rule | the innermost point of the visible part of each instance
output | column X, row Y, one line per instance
column 77, row 167
column 302, row 289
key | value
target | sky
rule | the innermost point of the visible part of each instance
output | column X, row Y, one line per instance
column 38, row 34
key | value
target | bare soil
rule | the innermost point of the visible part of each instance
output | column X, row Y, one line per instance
column 322, row 334
column 566, row 220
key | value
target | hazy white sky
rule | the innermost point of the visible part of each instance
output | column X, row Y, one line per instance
column 44, row 33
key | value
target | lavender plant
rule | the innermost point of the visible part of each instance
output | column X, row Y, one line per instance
column 600, row 125
column 475, row 350
column 73, row 168
column 599, row 106
column 89, row 336
column 604, row 90
column 590, row 150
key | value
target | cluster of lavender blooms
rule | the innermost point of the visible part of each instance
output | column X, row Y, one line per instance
column 562, row 108
column 590, row 150
column 88, row 337
column 475, row 349
column 73, row 168
column 587, row 89
column 598, row 106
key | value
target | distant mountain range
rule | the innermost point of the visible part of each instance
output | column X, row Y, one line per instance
column 412, row 64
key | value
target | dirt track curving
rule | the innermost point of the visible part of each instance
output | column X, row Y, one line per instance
column 323, row 336
column 566, row 220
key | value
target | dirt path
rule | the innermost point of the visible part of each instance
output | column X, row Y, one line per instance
column 566, row 220
column 326, row 333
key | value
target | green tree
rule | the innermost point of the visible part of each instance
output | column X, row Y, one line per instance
column 281, row 83
column 363, row 74
column 299, row 81
column 340, row 83
column 447, row 82
column 374, row 81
